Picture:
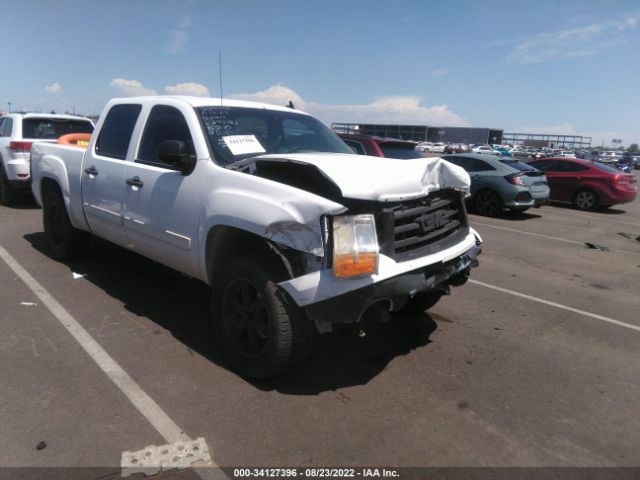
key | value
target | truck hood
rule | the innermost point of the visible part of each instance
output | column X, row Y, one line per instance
column 363, row 177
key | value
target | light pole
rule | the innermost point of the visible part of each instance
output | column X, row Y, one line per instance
column 9, row 103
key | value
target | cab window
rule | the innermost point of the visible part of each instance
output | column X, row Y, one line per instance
column 164, row 123
column 115, row 135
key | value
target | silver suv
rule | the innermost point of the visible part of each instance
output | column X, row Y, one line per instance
column 18, row 131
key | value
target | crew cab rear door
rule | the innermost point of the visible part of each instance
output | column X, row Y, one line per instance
column 103, row 173
column 161, row 201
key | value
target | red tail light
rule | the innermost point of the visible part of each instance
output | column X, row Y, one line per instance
column 516, row 179
column 20, row 147
column 630, row 179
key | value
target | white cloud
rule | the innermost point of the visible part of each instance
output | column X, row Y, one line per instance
column 53, row 88
column 179, row 36
column 131, row 88
column 572, row 42
column 391, row 110
column 439, row 72
column 194, row 89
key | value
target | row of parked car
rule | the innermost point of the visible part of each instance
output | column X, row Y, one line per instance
column 502, row 181
column 515, row 179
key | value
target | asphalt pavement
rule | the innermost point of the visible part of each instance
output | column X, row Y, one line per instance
column 535, row 363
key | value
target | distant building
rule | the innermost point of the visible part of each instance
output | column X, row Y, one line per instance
column 543, row 140
column 421, row 133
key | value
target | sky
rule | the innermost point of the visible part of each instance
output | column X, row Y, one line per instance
column 522, row 66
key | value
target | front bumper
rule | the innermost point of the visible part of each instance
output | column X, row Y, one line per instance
column 349, row 307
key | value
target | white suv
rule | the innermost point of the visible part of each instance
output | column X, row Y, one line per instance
column 17, row 132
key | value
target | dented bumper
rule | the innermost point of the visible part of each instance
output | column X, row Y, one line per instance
column 349, row 307
column 334, row 300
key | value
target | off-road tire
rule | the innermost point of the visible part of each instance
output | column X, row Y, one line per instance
column 259, row 329
column 8, row 193
column 65, row 242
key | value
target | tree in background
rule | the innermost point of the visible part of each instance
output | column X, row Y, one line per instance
column 634, row 148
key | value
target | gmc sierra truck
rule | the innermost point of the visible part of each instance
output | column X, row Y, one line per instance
column 270, row 208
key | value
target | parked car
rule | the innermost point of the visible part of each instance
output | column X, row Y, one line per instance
column 380, row 146
column 268, row 206
column 438, row 147
column 502, row 151
column 456, row 148
column 485, row 149
column 586, row 184
column 424, row 146
column 18, row 131
column 633, row 158
column 498, row 183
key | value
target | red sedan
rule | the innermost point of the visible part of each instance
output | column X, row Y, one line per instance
column 586, row 184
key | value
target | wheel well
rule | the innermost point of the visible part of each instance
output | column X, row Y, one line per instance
column 225, row 242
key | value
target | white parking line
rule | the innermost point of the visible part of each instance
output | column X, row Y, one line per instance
column 136, row 395
column 557, row 305
column 626, row 252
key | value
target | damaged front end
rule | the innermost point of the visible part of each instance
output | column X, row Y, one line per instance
column 412, row 236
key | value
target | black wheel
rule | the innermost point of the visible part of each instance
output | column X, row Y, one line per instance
column 65, row 241
column 259, row 329
column 487, row 202
column 8, row 194
column 420, row 302
column 586, row 200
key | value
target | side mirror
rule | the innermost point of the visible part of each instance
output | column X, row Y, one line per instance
column 174, row 152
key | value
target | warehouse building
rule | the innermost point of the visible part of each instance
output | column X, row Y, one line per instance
column 421, row 133
column 541, row 140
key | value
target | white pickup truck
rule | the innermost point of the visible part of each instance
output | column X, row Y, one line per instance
column 269, row 207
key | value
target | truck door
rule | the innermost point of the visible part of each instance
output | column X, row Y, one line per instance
column 103, row 173
column 161, row 202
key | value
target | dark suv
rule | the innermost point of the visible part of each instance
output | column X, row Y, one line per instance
column 381, row 146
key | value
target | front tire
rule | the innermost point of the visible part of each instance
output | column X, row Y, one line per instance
column 8, row 194
column 259, row 329
column 487, row 202
column 65, row 241
column 586, row 200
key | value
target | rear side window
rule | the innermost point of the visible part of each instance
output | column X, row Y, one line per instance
column 52, row 128
column 605, row 168
column 570, row 167
column 115, row 135
column 357, row 147
column 391, row 150
column 523, row 167
column 546, row 165
column 7, row 127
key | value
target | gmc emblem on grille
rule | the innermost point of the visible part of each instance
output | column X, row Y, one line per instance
column 433, row 220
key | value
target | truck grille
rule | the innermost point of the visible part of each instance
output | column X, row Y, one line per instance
column 420, row 227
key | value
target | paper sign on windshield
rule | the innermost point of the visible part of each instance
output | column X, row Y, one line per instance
column 243, row 144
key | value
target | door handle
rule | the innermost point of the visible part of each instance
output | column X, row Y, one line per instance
column 92, row 170
column 135, row 182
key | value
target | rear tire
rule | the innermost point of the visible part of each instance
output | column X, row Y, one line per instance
column 420, row 302
column 8, row 194
column 65, row 241
column 586, row 200
column 487, row 202
column 258, row 327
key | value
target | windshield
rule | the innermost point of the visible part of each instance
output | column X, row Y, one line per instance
column 236, row 133
column 402, row 152
column 50, row 128
column 523, row 167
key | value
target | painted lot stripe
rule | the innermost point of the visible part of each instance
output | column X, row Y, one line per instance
column 557, row 305
column 136, row 395
column 626, row 252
